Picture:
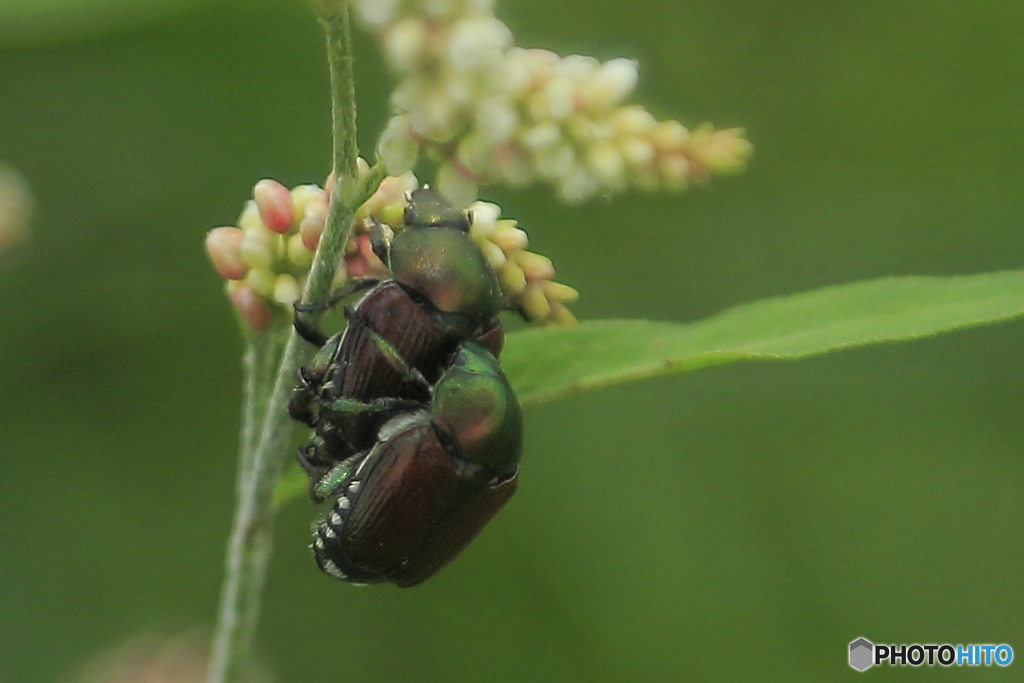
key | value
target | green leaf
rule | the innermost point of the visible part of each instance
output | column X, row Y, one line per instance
column 545, row 364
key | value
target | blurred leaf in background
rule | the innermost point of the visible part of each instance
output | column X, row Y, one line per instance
column 741, row 523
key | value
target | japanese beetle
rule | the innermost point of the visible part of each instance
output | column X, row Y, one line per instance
column 443, row 292
column 438, row 472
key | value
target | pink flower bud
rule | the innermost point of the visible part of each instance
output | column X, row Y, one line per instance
column 254, row 310
column 274, row 202
column 329, row 187
column 356, row 266
column 15, row 209
column 224, row 246
column 366, row 251
column 674, row 170
column 363, row 262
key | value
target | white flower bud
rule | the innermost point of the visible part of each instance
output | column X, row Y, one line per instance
column 517, row 74
column 577, row 68
column 435, row 117
column 376, row 13
column 298, row 254
column 534, row 303
column 261, row 281
column 250, row 219
column 605, row 161
column 633, row 120
column 612, row 83
column 408, row 93
column 556, row 291
column 512, row 279
column 485, row 218
column 537, row 106
column 480, row 6
column 441, row 9
column 405, row 42
column 586, row 129
column 513, row 165
column 577, row 186
column 461, row 88
column 555, row 162
column 495, row 256
column 305, row 195
column 475, row 43
column 560, row 316
column 535, row 266
column 669, row 135
column 455, row 186
column 544, row 135
column 396, row 146
column 509, row 237
column 497, row 119
column 636, row 151
column 675, row 170
column 559, row 98
column 362, row 167
column 474, row 153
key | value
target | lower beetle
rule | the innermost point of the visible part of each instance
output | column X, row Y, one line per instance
column 438, row 472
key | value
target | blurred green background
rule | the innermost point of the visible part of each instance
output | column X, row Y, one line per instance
column 739, row 523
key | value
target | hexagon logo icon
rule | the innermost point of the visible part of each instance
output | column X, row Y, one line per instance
column 861, row 654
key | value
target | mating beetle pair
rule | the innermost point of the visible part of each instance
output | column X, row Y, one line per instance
column 416, row 431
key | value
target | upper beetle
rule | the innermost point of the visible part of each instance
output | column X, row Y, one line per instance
column 442, row 292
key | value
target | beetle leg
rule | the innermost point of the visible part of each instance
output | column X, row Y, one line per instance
column 390, row 353
column 307, row 458
column 337, row 476
column 348, row 406
column 303, row 396
column 380, row 240
column 308, row 330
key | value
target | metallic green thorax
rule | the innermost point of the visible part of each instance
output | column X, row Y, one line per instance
column 435, row 256
column 474, row 403
column 428, row 209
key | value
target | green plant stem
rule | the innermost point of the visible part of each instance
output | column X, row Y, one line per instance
column 334, row 17
column 263, row 450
